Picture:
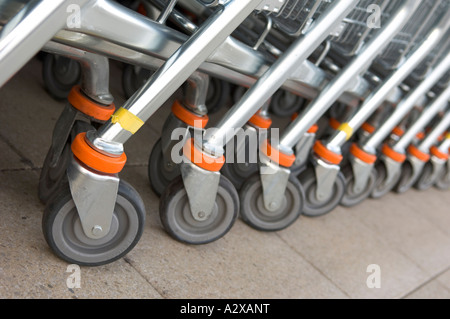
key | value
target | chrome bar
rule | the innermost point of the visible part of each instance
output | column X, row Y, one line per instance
column 395, row 79
column 95, row 71
column 406, row 105
column 339, row 83
column 432, row 137
column 277, row 74
column 24, row 35
column 180, row 66
column 427, row 115
column 444, row 146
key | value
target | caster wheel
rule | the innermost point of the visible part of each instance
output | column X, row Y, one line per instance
column 284, row 103
column 352, row 198
column 52, row 178
column 159, row 172
column 177, row 219
column 404, row 183
column 443, row 182
column 314, row 207
column 238, row 93
column 218, row 94
column 425, row 182
column 64, row 234
column 60, row 74
column 255, row 214
column 380, row 189
column 133, row 78
column 238, row 173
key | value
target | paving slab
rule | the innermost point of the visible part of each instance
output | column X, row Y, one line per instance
column 403, row 223
column 343, row 248
column 431, row 290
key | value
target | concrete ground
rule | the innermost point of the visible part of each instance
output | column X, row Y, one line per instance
column 407, row 236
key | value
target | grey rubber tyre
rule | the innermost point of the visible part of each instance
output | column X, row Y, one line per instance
column 159, row 174
column 133, row 78
column 179, row 223
column 443, row 182
column 314, row 207
column 217, row 95
column 254, row 213
column 238, row 173
column 60, row 74
column 424, row 181
column 380, row 189
column 51, row 178
column 352, row 198
column 284, row 103
column 63, row 232
column 404, row 182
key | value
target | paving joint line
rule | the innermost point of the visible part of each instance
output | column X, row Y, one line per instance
column 314, row 266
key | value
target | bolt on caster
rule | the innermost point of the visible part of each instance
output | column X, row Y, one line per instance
column 276, row 216
column 200, row 206
column 65, row 235
column 319, row 205
column 360, row 176
column 272, row 199
column 178, row 220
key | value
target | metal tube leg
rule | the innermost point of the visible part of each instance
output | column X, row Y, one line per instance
column 438, row 154
column 179, row 67
column 277, row 74
column 23, row 36
column 419, row 156
column 393, row 157
column 380, row 94
column 274, row 177
column 427, row 115
column 341, row 82
column 406, row 105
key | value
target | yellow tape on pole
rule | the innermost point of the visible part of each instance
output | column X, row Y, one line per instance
column 347, row 129
column 127, row 120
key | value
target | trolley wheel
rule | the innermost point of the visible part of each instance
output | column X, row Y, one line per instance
column 60, row 74
column 284, row 103
column 254, row 212
column 178, row 221
column 51, row 178
column 64, row 234
column 404, row 183
column 425, row 182
column 314, row 207
column 238, row 173
column 159, row 172
column 380, row 189
column 443, row 182
column 352, row 198
column 133, row 78
column 217, row 95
